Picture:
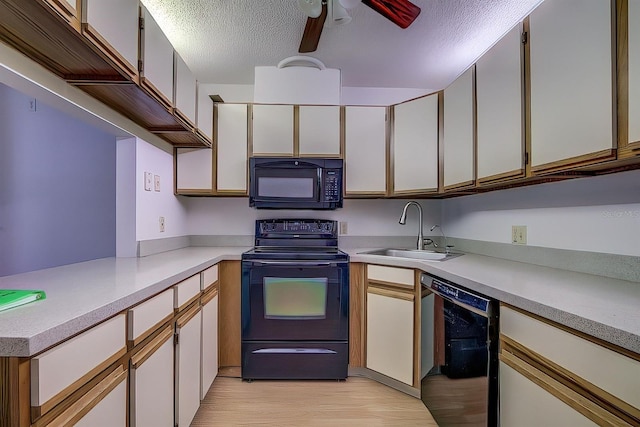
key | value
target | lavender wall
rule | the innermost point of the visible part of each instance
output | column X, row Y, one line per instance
column 57, row 188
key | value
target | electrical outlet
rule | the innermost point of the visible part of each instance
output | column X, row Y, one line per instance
column 148, row 181
column 343, row 227
column 161, row 224
column 156, row 182
column 519, row 234
column 32, row 105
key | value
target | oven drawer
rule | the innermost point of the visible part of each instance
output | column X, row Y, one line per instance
column 287, row 360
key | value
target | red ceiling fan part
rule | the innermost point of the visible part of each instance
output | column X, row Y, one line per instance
column 400, row 12
column 312, row 32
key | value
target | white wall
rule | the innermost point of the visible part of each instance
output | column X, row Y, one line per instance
column 596, row 214
column 150, row 205
column 234, row 217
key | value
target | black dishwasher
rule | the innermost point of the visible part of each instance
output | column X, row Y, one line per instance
column 460, row 360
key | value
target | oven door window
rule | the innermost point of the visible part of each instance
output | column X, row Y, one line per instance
column 289, row 302
column 295, row 298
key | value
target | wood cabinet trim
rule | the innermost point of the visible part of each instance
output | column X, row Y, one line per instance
column 229, row 314
column 417, row 331
column 570, row 380
column 88, row 401
column 15, row 376
column 500, row 178
column 356, row 314
column 562, row 392
column 146, row 334
column 391, row 285
column 189, row 314
column 574, row 162
column 210, row 294
column 391, row 293
column 147, row 351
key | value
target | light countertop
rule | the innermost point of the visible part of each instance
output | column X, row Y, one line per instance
column 84, row 294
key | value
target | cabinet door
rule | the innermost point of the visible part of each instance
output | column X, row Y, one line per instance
column 272, row 130
column 630, row 145
column 194, row 170
column 147, row 317
column 458, row 133
column 185, row 91
column 113, row 26
column 571, row 84
column 366, row 151
column 156, row 57
column 209, row 341
column 415, row 146
column 231, row 148
column 151, row 383
column 499, row 97
column 319, row 130
column 187, row 366
column 104, row 405
column 390, row 335
column 524, row 403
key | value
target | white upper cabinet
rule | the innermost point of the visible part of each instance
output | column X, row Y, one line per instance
column 231, row 148
column 499, row 101
column 185, row 91
column 415, row 146
column 634, row 71
column 114, row 25
column 157, row 59
column 319, row 130
column 194, row 170
column 272, row 130
column 571, row 83
column 365, row 150
column 458, row 132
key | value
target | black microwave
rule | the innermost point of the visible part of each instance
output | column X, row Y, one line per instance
column 295, row 183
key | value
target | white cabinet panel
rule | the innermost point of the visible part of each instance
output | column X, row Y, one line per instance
column 157, row 57
column 117, row 22
column 571, row 81
column 525, row 404
column 365, row 150
column 209, row 344
column 458, row 131
column 273, row 130
column 209, row 277
column 110, row 412
column 395, row 275
column 186, row 89
column 186, row 291
column 58, row 368
column 499, row 107
column 390, row 337
column 144, row 318
column 319, row 130
column 231, row 143
column 415, row 145
column 194, row 169
column 187, row 360
column 634, row 70
column 151, row 385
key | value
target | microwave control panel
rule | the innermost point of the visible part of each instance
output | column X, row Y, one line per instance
column 332, row 185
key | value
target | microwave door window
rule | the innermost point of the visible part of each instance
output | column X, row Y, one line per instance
column 279, row 187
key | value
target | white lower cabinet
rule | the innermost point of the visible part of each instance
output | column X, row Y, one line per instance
column 390, row 336
column 187, row 366
column 524, row 403
column 209, row 355
column 151, row 383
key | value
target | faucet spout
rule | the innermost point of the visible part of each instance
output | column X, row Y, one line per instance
column 403, row 221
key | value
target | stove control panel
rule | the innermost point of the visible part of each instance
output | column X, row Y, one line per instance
column 320, row 227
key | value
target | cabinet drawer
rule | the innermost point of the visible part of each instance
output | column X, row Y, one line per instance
column 59, row 371
column 209, row 277
column 401, row 276
column 186, row 292
column 613, row 372
column 148, row 316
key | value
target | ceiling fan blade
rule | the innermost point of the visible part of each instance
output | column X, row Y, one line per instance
column 312, row 32
column 400, row 12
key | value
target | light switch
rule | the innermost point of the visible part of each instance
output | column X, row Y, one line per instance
column 148, row 179
column 156, row 182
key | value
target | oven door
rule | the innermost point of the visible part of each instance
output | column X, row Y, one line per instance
column 295, row 300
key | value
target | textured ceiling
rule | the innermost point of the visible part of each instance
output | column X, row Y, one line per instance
column 223, row 40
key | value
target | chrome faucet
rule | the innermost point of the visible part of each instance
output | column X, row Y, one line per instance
column 403, row 221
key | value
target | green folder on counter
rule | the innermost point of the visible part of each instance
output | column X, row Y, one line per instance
column 10, row 298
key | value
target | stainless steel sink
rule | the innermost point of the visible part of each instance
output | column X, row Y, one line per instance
column 413, row 254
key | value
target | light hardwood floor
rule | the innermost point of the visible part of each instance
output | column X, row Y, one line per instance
column 354, row 402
